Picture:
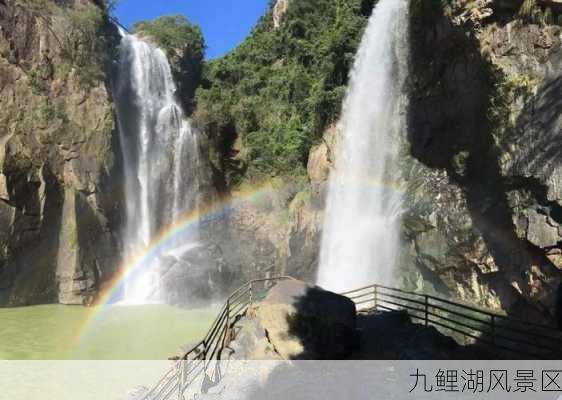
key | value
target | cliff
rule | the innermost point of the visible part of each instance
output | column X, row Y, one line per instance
column 484, row 195
column 266, row 108
column 481, row 159
column 58, row 205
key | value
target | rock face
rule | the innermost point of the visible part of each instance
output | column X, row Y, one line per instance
column 484, row 200
column 482, row 163
column 58, row 206
column 265, row 230
column 279, row 11
column 274, row 228
column 482, row 220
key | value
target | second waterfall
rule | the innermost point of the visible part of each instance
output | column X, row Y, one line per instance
column 361, row 229
column 160, row 155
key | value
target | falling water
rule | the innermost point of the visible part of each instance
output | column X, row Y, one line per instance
column 160, row 160
column 361, row 229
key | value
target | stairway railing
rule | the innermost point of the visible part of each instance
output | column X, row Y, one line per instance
column 177, row 379
column 495, row 331
column 498, row 332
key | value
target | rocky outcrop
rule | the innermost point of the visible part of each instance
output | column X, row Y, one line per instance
column 483, row 220
column 298, row 321
column 58, row 203
column 274, row 228
column 265, row 230
column 279, row 10
column 320, row 162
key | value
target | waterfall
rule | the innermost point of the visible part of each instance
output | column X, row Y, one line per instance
column 360, row 239
column 160, row 156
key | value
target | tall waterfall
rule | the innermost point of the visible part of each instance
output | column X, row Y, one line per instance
column 160, row 155
column 361, row 229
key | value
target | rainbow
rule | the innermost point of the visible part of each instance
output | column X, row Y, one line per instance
column 109, row 293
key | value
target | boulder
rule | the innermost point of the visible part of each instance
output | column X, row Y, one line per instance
column 306, row 322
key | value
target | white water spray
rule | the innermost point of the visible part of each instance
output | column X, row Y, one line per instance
column 160, row 155
column 361, row 229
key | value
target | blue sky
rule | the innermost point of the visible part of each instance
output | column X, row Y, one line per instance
column 225, row 23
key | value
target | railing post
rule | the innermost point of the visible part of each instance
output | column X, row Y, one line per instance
column 493, row 328
column 181, row 380
column 375, row 297
column 251, row 294
column 227, row 333
column 426, row 310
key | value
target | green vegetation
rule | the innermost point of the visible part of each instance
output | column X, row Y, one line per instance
column 36, row 83
column 51, row 112
column 505, row 90
column 185, row 47
column 280, row 88
column 87, row 44
column 84, row 37
column 173, row 33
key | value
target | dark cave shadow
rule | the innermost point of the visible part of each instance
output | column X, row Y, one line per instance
column 34, row 270
column 441, row 127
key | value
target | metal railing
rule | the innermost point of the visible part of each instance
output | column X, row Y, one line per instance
column 500, row 334
column 178, row 378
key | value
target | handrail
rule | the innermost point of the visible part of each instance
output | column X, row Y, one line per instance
column 176, row 379
column 494, row 330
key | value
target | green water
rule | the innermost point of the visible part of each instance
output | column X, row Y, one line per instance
column 55, row 332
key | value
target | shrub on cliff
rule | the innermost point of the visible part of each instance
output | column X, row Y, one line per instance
column 83, row 32
column 281, row 87
column 184, row 45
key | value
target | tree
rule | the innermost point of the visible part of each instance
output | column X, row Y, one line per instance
column 185, row 47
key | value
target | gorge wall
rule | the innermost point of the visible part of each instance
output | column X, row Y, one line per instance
column 481, row 164
column 485, row 126
column 481, row 160
column 265, row 109
column 59, row 207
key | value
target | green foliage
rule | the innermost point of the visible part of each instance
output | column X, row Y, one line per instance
column 51, row 112
column 505, row 91
column 184, row 45
column 36, row 83
column 83, row 33
column 173, row 33
column 280, row 88
column 86, row 42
